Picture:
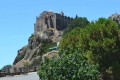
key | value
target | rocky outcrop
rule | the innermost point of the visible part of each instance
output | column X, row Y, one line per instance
column 48, row 29
column 116, row 17
column 26, row 53
column 50, row 54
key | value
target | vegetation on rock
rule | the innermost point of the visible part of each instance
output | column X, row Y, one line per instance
column 19, row 57
column 87, row 51
column 96, row 47
column 6, row 68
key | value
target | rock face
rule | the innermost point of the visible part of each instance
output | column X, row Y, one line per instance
column 48, row 29
column 50, row 54
column 116, row 17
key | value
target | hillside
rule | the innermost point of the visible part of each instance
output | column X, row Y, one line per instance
column 48, row 30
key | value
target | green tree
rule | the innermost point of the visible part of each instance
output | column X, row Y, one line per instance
column 77, row 22
column 99, row 42
column 70, row 67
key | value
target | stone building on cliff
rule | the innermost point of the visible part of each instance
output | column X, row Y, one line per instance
column 49, row 19
column 48, row 26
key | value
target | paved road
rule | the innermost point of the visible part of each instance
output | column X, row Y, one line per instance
column 29, row 76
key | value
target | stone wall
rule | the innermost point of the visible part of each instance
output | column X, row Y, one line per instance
column 48, row 19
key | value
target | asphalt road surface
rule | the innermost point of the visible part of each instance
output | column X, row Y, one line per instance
column 29, row 76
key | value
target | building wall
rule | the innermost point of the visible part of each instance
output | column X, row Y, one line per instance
column 51, row 20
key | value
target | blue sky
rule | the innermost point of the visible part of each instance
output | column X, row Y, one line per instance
column 17, row 18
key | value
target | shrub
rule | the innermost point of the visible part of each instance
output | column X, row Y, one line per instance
column 70, row 67
column 99, row 42
column 81, row 49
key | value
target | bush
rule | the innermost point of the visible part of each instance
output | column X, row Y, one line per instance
column 99, row 42
column 77, row 22
column 45, row 45
column 19, row 57
column 81, row 49
column 70, row 67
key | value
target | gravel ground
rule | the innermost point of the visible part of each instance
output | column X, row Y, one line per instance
column 29, row 76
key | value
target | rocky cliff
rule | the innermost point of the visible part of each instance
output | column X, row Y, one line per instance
column 48, row 30
column 116, row 17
